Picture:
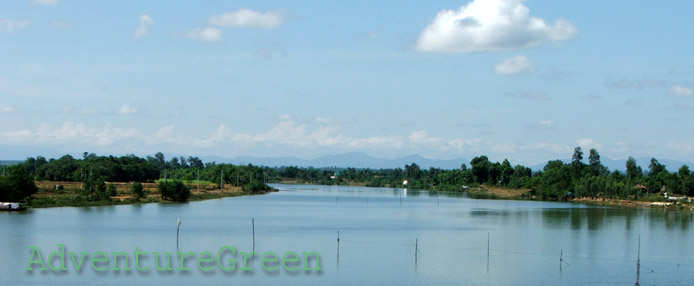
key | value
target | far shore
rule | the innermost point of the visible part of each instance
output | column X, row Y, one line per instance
column 64, row 194
column 497, row 193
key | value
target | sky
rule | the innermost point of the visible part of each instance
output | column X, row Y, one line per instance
column 523, row 80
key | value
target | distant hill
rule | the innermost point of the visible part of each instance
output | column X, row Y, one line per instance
column 354, row 159
column 9, row 162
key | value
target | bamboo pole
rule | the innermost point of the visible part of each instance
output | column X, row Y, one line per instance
column 638, row 262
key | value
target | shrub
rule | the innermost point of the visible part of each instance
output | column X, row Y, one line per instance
column 174, row 190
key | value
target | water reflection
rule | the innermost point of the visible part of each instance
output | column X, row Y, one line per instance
column 377, row 238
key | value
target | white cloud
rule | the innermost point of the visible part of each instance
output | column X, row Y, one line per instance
column 247, row 18
column 207, row 34
column 680, row 90
column 128, row 109
column 514, row 65
column 71, row 133
column 588, row 143
column 143, row 29
column 5, row 108
column 546, row 123
column 45, row 2
column 11, row 26
column 490, row 25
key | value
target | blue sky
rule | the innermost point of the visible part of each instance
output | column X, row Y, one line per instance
column 523, row 80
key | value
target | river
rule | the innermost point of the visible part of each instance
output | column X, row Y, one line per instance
column 387, row 237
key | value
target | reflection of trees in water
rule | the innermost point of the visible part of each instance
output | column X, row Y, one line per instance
column 598, row 218
column 672, row 219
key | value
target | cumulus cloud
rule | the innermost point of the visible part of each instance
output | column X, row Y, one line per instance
column 680, row 90
column 490, row 25
column 143, row 28
column 514, row 65
column 11, row 26
column 5, row 108
column 588, row 143
column 207, row 34
column 247, row 18
column 45, row 2
column 128, row 109
column 70, row 133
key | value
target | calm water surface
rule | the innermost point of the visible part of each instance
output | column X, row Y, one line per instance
column 378, row 230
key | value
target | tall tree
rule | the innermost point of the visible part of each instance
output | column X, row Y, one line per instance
column 577, row 158
column 633, row 170
column 480, row 168
column 655, row 167
column 594, row 161
column 577, row 162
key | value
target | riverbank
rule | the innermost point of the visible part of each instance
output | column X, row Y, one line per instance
column 65, row 194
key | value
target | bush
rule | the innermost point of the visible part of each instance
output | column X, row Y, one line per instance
column 94, row 189
column 138, row 190
column 174, row 190
column 255, row 187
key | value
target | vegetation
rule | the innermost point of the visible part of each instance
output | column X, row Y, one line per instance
column 174, row 190
column 96, row 177
column 17, row 184
column 556, row 181
column 138, row 191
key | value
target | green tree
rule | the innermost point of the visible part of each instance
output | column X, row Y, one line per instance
column 17, row 185
column 480, row 169
column 577, row 157
column 577, row 162
column 94, row 189
column 506, row 172
column 111, row 190
column 138, row 190
column 633, row 171
column 174, row 190
column 596, row 167
column 655, row 167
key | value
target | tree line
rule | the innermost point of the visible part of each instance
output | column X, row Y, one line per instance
column 557, row 180
column 95, row 171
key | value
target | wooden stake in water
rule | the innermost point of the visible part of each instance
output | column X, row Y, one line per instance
column 338, row 247
column 561, row 258
column 487, row 251
column 253, row 226
column 178, row 228
column 416, row 249
column 638, row 262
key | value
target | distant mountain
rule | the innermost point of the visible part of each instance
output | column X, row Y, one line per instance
column 354, row 159
column 9, row 162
